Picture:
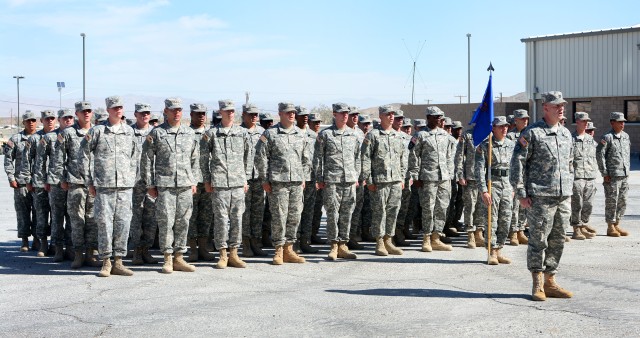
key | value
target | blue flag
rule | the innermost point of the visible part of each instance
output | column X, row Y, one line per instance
column 483, row 116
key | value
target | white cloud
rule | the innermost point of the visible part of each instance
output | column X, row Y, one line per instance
column 202, row 21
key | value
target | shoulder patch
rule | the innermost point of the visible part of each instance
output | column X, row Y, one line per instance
column 263, row 139
column 10, row 144
column 60, row 137
column 27, row 144
column 149, row 138
column 603, row 141
column 523, row 142
column 87, row 137
column 414, row 140
column 205, row 137
column 43, row 141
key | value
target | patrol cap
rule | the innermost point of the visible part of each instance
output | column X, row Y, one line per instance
column 47, row 113
column 265, row 117
column 65, row 113
column 142, row 107
column 582, row 116
column 500, row 121
column 520, row 114
column 407, row 122
column 28, row 115
column 386, row 109
column 354, row 110
column 131, row 121
column 83, row 105
column 419, row 123
column 511, row 119
column 590, row 126
column 301, row 111
column 434, row 111
column 226, row 105
column 553, row 97
column 250, row 108
column 375, row 121
column 114, row 101
column 286, row 107
column 198, row 108
column 457, row 125
column 101, row 117
column 448, row 122
column 154, row 117
column 342, row 107
column 616, row 116
column 399, row 113
column 314, row 118
column 364, row 118
column 173, row 103
column 216, row 115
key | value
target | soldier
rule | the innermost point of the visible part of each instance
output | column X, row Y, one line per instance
column 201, row 216
column 216, row 117
column 585, row 169
column 414, row 212
column 465, row 175
column 309, row 193
column 431, row 167
column 226, row 164
column 314, row 123
column 337, row 164
column 499, row 200
column 254, row 197
column 512, row 121
column 142, row 230
column 101, row 117
column 283, row 163
column 456, row 204
column 399, row 238
column 23, row 199
column 384, row 166
column 154, row 120
column 108, row 158
column 360, row 229
column 449, row 229
column 170, row 159
column 541, row 175
column 613, row 155
column 519, row 215
column 69, row 172
column 591, row 130
column 266, row 122
column 364, row 123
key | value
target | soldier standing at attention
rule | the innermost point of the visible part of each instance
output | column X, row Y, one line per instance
column 585, row 169
column 314, row 123
column 266, row 122
column 414, row 213
column 254, row 197
column 384, row 166
column 306, row 219
column 360, row 230
column 170, row 158
column 613, row 155
column 283, row 163
column 399, row 237
column 520, row 119
column 337, row 164
column 456, row 204
column 541, row 174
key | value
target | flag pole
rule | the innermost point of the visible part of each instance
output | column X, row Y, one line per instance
column 490, row 207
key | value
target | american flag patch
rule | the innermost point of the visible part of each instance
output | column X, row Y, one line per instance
column 150, row 139
column 60, row 138
column 87, row 137
column 523, row 141
column 263, row 139
column 604, row 142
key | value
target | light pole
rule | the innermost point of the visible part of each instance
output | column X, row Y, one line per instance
column 83, row 70
column 17, row 77
column 468, row 67
column 60, row 86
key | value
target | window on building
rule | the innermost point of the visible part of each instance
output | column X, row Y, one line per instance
column 632, row 110
column 583, row 106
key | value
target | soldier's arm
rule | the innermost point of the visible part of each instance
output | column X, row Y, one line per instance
column 28, row 162
column 10, row 150
column 459, row 160
column 521, row 154
column 262, row 157
column 367, row 151
column 147, row 160
column 358, row 157
column 601, row 156
column 480, row 168
column 56, row 159
column 451, row 157
column 404, row 160
column 87, row 146
column 206, row 147
column 306, row 158
column 415, row 150
column 248, row 160
column 195, row 159
column 318, row 158
column 40, row 165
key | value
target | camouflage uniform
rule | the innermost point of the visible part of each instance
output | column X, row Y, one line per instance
column 226, row 164
column 405, row 200
column 23, row 199
column 465, row 160
column 202, row 215
column 31, row 157
column 359, row 217
column 254, row 198
column 337, row 164
column 142, row 231
column 309, row 192
column 613, row 156
column 585, row 169
column 519, row 215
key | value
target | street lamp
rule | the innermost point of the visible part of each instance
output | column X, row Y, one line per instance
column 468, row 67
column 60, row 86
column 83, row 70
column 17, row 77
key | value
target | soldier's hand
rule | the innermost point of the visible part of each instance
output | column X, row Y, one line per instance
column 525, row 202
column 402, row 185
column 47, row 187
column 194, row 190
column 410, row 182
column 607, row 179
column 13, row 184
column 246, row 188
column 320, row 185
column 153, row 192
column 64, row 186
column 92, row 191
column 462, row 182
column 372, row 187
column 486, row 198
column 30, row 187
column 357, row 184
column 418, row 183
column 266, row 187
column 209, row 188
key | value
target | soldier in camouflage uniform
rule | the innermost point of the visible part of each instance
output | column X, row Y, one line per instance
column 306, row 219
column 520, row 119
column 456, row 204
column 465, row 175
column 399, row 121
column 69, row 172
column 431, row 167
column 283, row 164
column 414, row 212
column 225, row 163
column 541, row 173
column 499, row 200
column 23, row 199
column 337, row 164
column 202, row 216
column 613, row 156
column 585, row 169
column 254, row 197
column 108, row 159
column 170, row 160
column 360, row 228
column 266, row 122
column 384, row 166
column 142, row 231
column 314, row 123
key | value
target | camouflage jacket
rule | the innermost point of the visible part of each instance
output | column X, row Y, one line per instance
column 67, row 167
column 431, row 155
column 254, row 134
column 311, row 138
column 384, row 157
column 225, row 157
column 360, row 135
column 542, row 163
column 613, row 154
column 465, row 157
column 337, row 156
column 35, row 158
column 13, row 152
column 202, row 146
column 140, row 136
column 584, row 156
column 502, row 152
column 282, row 155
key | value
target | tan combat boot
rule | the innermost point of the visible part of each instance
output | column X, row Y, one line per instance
column 589, row 229
column 502, row 259
column 479, row 239
column 106, row 268
column 223, row 261
column 343, row 251
column 246, row 247
column 577, row 234
column 290, row 256
column 391, row 249
column 612, row 231
column 119, row 268
column 333, row 253
column 167, row 267
column 193, row 250
column 567, row 239
column 437, row 245
column 179, row 264
column 147, row 258
column 537, row 292
column 234, row 259
column 513, row 238
column 44, row 247
column 277, row 256
column 203, row 253
column 257, row 248
column 471, row 240
column 24, row 247
column 493, row 257
column 553, row 290
column 426, row 244
column 137, row 256
column 621, row 231
column 380, row 248
column 78, row 260
column 522, row 238
column 59, row 256
column 586, row 233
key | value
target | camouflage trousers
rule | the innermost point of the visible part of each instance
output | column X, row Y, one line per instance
column 547, row 220
column 456, row 205
column 84, row 230
column 501, row 208
column 473, row 207
column 414, row 211
column 385, row 204
column 113, row 216
column 60, row 221
column 202, row 214
column 173, row 211
column 518, row 216
column 339, row 201
column 285, row 203
column 254, row 210
column 43, row 212
column 306, row 218
column 615, row 199
column 405, row 201
column 317, row 212
column 584, row 190
column 228, row 207
column 142, row 231
column 356, row 216
column 25, row 212
column 434, row 200
column 266, row 217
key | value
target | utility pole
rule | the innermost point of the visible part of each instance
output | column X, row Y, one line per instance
column 413, row 82
column 84, row 78
column 428, row 101
column 60, row 86
column 468, row 68
column 246, row 97
column 17, row 77
column 460, row 97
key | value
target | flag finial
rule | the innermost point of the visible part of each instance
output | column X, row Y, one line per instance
column 490, row 69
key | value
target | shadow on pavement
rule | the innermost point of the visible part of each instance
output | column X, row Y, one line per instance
column 430, row 293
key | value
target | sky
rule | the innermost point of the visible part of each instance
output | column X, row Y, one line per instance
column 306, row 52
